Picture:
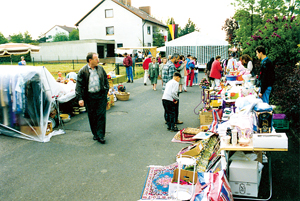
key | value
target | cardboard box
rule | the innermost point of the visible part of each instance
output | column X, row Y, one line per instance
column 206, row 118
column 33, row 131
column 112, row 102
column 111, row 85
column 185, row 175
column 244, row 188
column 270, row 140
column 191, row 150
column 244, row 171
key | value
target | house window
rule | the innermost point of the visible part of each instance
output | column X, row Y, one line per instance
column 149, row 30
column 109, row 13
column 110, row 31
column 49, row 36
column 149, row 45
column 120, row 45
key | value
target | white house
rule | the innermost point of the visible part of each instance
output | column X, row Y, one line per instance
column 117, row 20
column 58, row 29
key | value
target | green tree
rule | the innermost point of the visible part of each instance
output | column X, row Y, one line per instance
column 230, row 27
column 60, row 37
column 188, row 28
column 3, row 39
column 74, row 35
column 158, row 38
column 27, row 38
column 17, row 38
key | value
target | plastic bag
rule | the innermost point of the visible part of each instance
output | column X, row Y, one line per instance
column 212, row 186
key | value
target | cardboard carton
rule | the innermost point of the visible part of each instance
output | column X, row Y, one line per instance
column 244, row 171
column 205, row 118
column 270, row 140
column 185, row 175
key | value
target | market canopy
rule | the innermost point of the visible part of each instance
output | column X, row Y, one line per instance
column 197, row 39
column 202, row 46
column 8, row 49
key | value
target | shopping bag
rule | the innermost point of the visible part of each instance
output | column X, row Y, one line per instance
column 214, row 125
column 213, row 187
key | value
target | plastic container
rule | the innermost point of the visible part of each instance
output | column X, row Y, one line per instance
column 231, row 77
column 279, row 116
column 281, row 124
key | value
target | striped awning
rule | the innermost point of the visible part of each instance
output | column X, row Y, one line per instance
column 17, row 48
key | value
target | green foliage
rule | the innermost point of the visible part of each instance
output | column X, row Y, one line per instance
column 60, row 37
column 27, row 38
column 280, row 35
column 3, row 39
column 188, row 28
column 17, row 38
column 74, row 35
column 158, row 38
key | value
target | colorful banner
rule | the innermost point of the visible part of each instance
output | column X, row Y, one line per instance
column 173, row 30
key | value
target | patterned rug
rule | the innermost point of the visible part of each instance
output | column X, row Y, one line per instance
column 157, row 182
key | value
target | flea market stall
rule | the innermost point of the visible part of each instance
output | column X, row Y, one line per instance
column 26, row 96
column 32, row 102
column 227, row 154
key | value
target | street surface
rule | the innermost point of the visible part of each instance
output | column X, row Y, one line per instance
column 75, row 167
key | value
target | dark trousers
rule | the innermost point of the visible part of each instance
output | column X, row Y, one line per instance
column 96, row 108
column 176, row 112
column 170, row 113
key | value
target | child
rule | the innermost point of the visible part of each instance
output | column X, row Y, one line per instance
column 170, row 99
column 190, row 77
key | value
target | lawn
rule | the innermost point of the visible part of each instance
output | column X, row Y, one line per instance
column 65, row 68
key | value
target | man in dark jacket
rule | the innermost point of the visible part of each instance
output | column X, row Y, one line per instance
column 267, row 74
column 91, row 91
column 208, row 69
column 127, row 62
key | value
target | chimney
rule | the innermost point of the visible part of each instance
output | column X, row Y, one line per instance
column 146, row 9
column 126, row 2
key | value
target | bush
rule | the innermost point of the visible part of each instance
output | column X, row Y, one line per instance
column 286, row 93
column 280, row 36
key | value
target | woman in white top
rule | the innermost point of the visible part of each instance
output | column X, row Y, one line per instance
column 247, row 61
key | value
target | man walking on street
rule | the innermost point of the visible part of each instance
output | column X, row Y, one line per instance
column 91, row 91
column 127, row 62
column 167, row 75
column 267, row 74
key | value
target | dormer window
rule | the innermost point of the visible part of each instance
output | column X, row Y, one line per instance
column 109, row 13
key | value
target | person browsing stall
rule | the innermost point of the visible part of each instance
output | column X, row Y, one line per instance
column 267, row 74
column 169, row 100
column 91, row 91
column 215, row 72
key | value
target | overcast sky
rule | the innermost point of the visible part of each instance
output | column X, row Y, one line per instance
column 38, row 16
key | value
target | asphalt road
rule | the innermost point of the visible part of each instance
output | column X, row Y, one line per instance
column 75, row 167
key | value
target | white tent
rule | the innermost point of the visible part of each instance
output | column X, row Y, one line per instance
column 203, row 46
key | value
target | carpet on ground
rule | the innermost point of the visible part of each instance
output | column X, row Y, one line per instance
column 157, row 182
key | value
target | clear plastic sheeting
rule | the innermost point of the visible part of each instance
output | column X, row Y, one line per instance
column 25, row 101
